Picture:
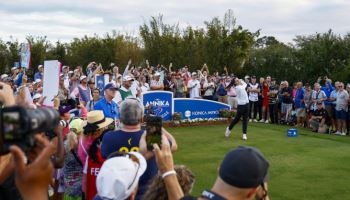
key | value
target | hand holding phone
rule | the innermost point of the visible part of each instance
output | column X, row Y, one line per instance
column 153, row 131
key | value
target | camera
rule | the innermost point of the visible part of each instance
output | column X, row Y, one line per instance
column 18, row 126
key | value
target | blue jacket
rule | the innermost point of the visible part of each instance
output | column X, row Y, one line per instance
column 328, row 90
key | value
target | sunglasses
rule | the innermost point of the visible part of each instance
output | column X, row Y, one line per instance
column 131, row 157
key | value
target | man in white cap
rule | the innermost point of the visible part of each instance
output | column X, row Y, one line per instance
column 14, row 72
column 36, row 99
column 156, row 83
column 119, row 176
column 40, row 73
column 194, row 86
column 82, row 91
column 37, row 86
column 125, row 90
column 3, row 77
column 66, row 76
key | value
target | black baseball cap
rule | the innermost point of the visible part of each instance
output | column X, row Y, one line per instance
column 244, row 167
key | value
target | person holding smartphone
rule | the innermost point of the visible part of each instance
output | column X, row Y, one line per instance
column 129, row 139
column 194, row 86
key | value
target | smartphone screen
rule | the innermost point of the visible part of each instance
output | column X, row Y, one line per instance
column 153, row 131
column 77, row 101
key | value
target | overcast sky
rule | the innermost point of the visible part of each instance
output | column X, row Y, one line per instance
column 66, row 19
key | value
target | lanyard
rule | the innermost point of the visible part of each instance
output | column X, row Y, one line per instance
column 211, row 195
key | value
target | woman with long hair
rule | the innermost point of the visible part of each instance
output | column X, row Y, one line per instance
column 265, row 102
column 92, row 166
column 96, row 124
column 73, row 167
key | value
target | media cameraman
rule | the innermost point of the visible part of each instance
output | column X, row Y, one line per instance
column 27, row 156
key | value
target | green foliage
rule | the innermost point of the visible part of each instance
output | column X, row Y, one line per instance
column 221, row 43
column 225, row 113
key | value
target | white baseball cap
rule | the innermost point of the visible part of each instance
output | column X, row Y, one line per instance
column 82, row 77
column 4, row 76
column 194, row 73
column 37, row 81
column 128, row 78
column 14, row 68
column 157, row 74
column 37, row 96
column 40, row 66
column 119, row 176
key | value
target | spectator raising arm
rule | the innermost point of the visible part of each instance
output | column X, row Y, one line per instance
column 126, row 71
column 165, row 164
column 170, row 66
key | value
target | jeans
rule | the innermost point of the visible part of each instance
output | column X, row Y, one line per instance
column 242, row 111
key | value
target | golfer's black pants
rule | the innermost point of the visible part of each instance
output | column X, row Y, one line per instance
column 242, row 111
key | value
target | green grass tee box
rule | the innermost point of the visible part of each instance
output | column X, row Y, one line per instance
column 310, row 166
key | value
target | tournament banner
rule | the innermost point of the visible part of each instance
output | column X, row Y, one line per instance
column 198, row 108
column 100, row 83
column 161, row 103
column 51, row 81
column 25, row 53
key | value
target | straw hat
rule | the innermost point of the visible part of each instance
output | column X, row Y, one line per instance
column 97, row 118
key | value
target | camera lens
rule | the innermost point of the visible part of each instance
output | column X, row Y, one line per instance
column 43, row 119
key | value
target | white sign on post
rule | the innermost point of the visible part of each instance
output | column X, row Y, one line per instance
column 51, row 81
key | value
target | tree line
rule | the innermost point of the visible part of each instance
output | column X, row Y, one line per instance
column 222, row 42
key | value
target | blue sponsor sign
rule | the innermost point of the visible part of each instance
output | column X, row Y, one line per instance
column 100, row 84
column 161, row 103
column 198, row 108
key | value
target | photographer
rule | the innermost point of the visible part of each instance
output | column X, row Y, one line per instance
column 209, row 89
column 318, row 120
column 24, row 136
column 194, row 86
column 221, row 91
